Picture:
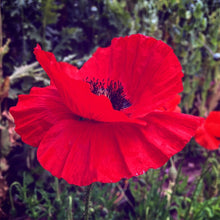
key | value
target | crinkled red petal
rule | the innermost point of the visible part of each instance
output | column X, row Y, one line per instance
column 205, row 139
column 171, row 105
column 86, row 151
column 212, row 123
column 45, row 59
column 76, row 94
column 148, row 69
column 208, row 134
column 37, row 112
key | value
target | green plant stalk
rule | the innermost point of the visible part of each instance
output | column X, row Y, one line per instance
column 57, row 188
column 69, row 211
column 87, row 199
column 176, row 181
column 44, row 24
column 11, row 199
column 163, row 168
column 24, row 187
column 10, row 195
column 123, row 193
column 23, row 34
column 194, row 193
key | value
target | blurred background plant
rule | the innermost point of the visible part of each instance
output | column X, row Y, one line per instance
column 187, row 187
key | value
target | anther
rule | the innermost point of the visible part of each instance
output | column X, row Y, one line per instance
column 111, row 89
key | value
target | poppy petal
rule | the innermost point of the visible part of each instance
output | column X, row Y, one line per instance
column 172, row 105
column 77, row 94
column 45, row 58
column 37, row 112
column 147, row 68
column 212, row 123
column 86, row 152
column 208, row 134
column 172, row 128
column 206, row 140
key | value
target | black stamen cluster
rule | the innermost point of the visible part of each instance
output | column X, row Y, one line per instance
column 111, row 89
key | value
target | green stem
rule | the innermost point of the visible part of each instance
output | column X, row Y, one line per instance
column 18, row 185
column 88, row 194
column 57, row 187
column 176, row 181
column 203, row 173
column 11, row 198
column 163, row 168
column 69, row 211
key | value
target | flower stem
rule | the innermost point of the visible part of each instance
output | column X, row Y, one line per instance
column 69, row 211
column 87, row 199
column 176, row 181
column 203, row 173
column 57, row 188
column 19, row 189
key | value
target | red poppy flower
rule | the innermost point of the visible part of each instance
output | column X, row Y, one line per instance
column 208, row 134
column 107, row 120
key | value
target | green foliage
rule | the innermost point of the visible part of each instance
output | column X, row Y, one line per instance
column 186, row 29
column 150, row 196
column 49, row 12
column 49, row 16
column 73, row 30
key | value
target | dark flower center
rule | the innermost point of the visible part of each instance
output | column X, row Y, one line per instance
column 111, row 89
